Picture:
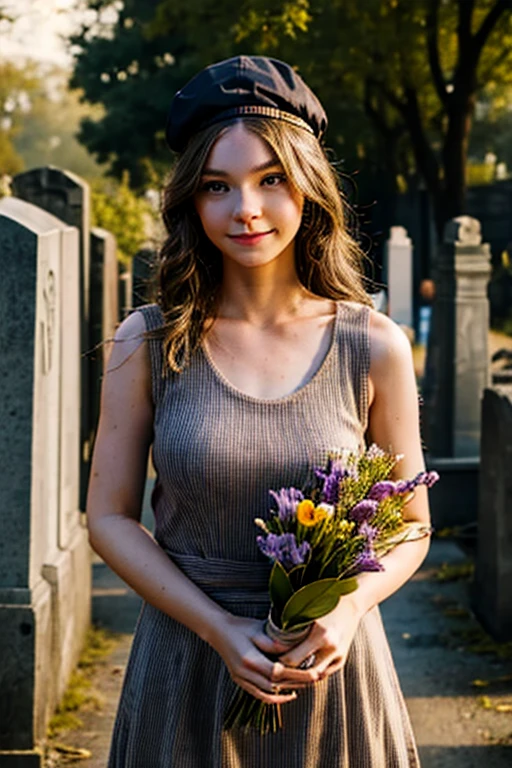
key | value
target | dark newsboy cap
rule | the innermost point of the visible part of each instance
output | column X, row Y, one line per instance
column 243, row 85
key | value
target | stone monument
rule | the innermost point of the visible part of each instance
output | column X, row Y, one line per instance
column 44, row 552
column 493, row 567
column 104, row 312
column 67, row 197
column 457, row 367
column 457, row 371
column 143, row 272
column 398, row 276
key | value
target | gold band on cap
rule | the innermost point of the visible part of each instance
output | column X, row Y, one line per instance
column 250, row 109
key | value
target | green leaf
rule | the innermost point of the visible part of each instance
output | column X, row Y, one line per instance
column 280, row 588
column 315, row 600
column 296, row 576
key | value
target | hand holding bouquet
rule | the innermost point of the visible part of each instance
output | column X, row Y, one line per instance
column 319, row 539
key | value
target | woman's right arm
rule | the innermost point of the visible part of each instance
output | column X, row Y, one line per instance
column 114, row 502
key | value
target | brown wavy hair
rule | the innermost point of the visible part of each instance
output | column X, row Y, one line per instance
column 328, row 260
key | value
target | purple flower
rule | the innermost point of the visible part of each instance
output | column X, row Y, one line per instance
column 336, row 472
column 284, row 548
column 422, row 478
column 364, row 511
column 367, row 561
column 287, row 500
column 383, row 489
column 370, row 532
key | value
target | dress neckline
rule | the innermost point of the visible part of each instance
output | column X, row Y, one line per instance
column 294, row 394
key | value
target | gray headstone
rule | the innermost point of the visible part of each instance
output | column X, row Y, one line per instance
column 125, row 290
column 398, row 276
column 143, row 274
column 457, row 366
column 44, row 553
column 67, row 197
column 493, row 566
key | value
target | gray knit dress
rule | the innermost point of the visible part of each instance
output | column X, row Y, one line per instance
column 217, row 452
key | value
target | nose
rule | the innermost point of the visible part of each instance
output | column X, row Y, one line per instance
column 247, row 205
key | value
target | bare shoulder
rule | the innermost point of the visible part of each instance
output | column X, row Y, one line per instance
column 390, row 355
column 129, row 351
column 388, row 342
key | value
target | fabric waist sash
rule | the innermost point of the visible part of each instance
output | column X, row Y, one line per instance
column 232, row 581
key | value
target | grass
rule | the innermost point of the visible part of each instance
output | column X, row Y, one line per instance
column 455, row 572
column 80, row 694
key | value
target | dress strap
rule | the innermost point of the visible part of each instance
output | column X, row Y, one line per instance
column 153, row 319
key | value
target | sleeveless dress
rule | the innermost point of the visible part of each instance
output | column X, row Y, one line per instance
column 217, row 452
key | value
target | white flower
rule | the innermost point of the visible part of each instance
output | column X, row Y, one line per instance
column 327, row 508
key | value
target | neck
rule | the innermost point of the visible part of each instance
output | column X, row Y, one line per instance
column 262, row 295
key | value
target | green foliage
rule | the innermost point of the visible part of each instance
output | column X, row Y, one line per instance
column 116, row 208
column 399, row 79
column 313, row 601
column 280, row 587
column 47, row 135
column 17, row 87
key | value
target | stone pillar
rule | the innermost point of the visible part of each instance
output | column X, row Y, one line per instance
column 104, row 311
column 67, row 197
column 493, row 567
column 398, row 276
column 44, row 553
column 457, row 367
column 143, row 271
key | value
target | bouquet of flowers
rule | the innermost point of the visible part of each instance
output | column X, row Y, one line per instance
column 319, row 539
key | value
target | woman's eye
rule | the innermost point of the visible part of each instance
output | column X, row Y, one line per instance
column 274, row 179
column 214, row 186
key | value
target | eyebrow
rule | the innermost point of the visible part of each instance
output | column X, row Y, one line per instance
column 256, row 169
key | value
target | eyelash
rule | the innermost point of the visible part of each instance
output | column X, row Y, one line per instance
column 208, row 186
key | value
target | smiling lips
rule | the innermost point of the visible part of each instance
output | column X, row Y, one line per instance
column 250, row 239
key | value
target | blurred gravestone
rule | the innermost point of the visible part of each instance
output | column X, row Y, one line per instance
column 143, row 277
column 457, row 366
column 67, row 197
column 125, row 290
column 398, row 276
column 493, row 571
column 104, row 311
column 44, row 553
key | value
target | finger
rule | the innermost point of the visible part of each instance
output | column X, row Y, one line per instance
column 264, row 643
column 336, row 663
column 266, row 696
column 300, row 653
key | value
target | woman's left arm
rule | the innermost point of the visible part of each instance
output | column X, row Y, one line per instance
column 393, row 424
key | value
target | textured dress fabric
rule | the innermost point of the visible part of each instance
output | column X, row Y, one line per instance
column 217, row 453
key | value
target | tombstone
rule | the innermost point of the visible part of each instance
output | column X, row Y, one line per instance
column 125, row 290
column 493, row 565
column 67, row 197
column 457, row 366
column 143, row 273
column 398, row 276
column 44, row 552
column 104, row 313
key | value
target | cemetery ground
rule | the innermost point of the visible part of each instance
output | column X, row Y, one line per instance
column 457, row 682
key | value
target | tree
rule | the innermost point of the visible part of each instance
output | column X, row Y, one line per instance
column 17, row 86
column 415, row 68
column 400, row 80
column 127, row 216
column 132, row 77
column 47, row 135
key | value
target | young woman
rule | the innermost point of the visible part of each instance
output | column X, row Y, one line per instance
column 262, row 355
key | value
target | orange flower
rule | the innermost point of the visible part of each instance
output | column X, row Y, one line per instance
column 308, row 514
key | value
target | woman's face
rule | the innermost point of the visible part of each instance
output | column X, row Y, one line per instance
column 248, row 208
